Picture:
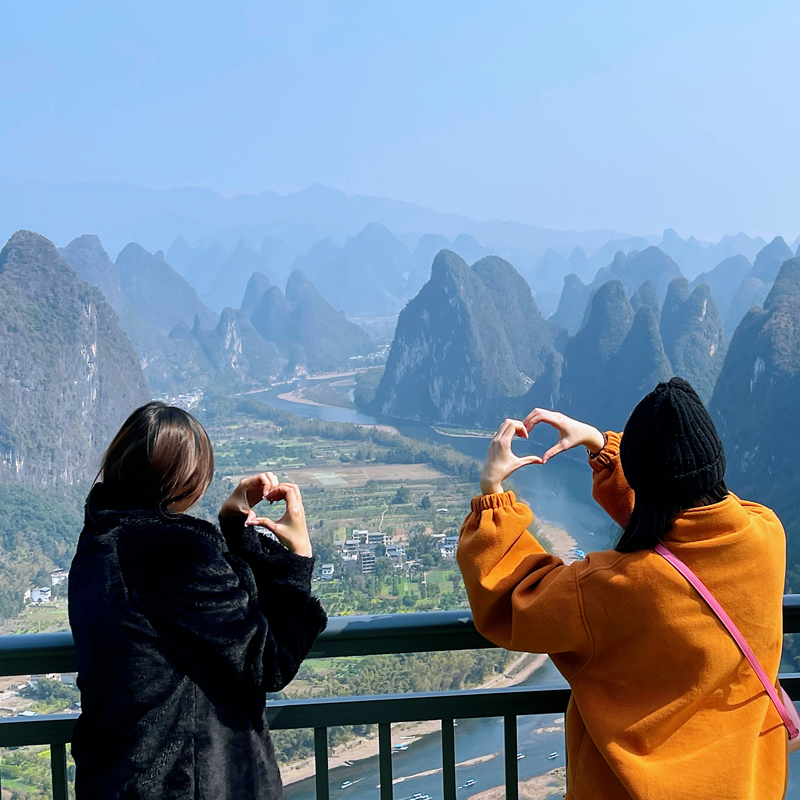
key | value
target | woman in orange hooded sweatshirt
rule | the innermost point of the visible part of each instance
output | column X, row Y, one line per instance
column 664, row 706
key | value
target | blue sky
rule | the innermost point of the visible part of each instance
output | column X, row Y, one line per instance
column 630, row 115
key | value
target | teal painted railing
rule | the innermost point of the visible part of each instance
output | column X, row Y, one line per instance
column 345, row 636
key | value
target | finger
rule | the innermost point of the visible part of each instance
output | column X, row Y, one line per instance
column 539, row 415
column 272, row 482
column 511, row 427
column 501, row 430
column 557, row 448
column 530, row 420
column 294, row 501
column 528, row 460
column 520, row 429
column 289, row 492
column 264, row 522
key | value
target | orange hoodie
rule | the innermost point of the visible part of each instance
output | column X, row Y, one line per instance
column 664, row 706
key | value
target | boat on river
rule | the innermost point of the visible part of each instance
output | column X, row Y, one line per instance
column 552, row 756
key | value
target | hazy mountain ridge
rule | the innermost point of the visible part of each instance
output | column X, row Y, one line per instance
column 121, row 213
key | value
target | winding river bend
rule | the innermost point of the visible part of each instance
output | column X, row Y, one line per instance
column 559, row 493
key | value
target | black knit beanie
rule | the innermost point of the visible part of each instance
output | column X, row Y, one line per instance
column 670, row 449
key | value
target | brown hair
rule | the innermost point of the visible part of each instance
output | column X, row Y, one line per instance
column 161, row 455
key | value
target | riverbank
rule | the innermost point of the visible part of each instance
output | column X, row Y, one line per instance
column 407, row 732
column 563, row 544
column 296, row 396
column 538, row 788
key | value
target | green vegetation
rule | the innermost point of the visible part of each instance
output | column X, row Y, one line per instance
column 25, row 773
column 38, row 532
column 51, row 697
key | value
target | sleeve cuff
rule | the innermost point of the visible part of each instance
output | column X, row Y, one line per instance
column 280, row 563
column 609, row 454
column 484, row 502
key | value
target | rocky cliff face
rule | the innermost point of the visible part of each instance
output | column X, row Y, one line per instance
column 531, row 337
column 68, row 374
column 756, row 403
column 634, row 370
column 451, row 359
column 693, row 336
column 171, row 364
column 588, row 353
column 238, row 353
column 752, row 292
column 647, row 295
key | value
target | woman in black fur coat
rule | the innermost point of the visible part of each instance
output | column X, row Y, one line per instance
column 182, row 627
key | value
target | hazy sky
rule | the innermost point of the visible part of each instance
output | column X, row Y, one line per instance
column 630, row 115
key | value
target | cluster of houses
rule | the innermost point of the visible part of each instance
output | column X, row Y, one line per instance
column 44, row 594
column 359, row 552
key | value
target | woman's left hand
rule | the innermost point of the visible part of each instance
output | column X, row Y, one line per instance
column 500, row 460
column 250, row 492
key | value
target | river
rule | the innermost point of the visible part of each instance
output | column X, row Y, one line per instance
column 559, row 493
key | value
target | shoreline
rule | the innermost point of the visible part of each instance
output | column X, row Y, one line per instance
column 406, row 732
column 562, row 541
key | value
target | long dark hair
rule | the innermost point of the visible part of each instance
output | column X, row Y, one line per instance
column 160, row 456
column 650, row 521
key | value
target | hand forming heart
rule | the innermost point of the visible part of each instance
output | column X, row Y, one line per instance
column 501, row 461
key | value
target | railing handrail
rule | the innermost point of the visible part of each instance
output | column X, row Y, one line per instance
column 357, row 635
column 36, row 653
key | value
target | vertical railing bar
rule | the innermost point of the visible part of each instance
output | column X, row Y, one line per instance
column 510, row 751
column 321, row 762
column 385, row 759
column 448, row 759
column 58, row 771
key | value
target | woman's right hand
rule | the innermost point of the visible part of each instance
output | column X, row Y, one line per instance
column 291, row 528
column 571, row 433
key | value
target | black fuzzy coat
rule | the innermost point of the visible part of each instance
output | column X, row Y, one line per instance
column 180, row 631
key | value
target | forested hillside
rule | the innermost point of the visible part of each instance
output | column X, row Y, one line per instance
column 68, row 378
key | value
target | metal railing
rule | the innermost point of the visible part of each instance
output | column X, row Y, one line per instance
column 33, row 654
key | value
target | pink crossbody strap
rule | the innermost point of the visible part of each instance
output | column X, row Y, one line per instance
column 734, row 632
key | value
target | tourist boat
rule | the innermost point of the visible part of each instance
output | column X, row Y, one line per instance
column 348, row 763
column 346, row 784
column 552, row 756
column 520, row 755
column 470, row 782
column 398, row 747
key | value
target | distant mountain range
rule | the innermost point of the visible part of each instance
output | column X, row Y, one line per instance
column 121, row 213
column 183, row 344
column 472, row 345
